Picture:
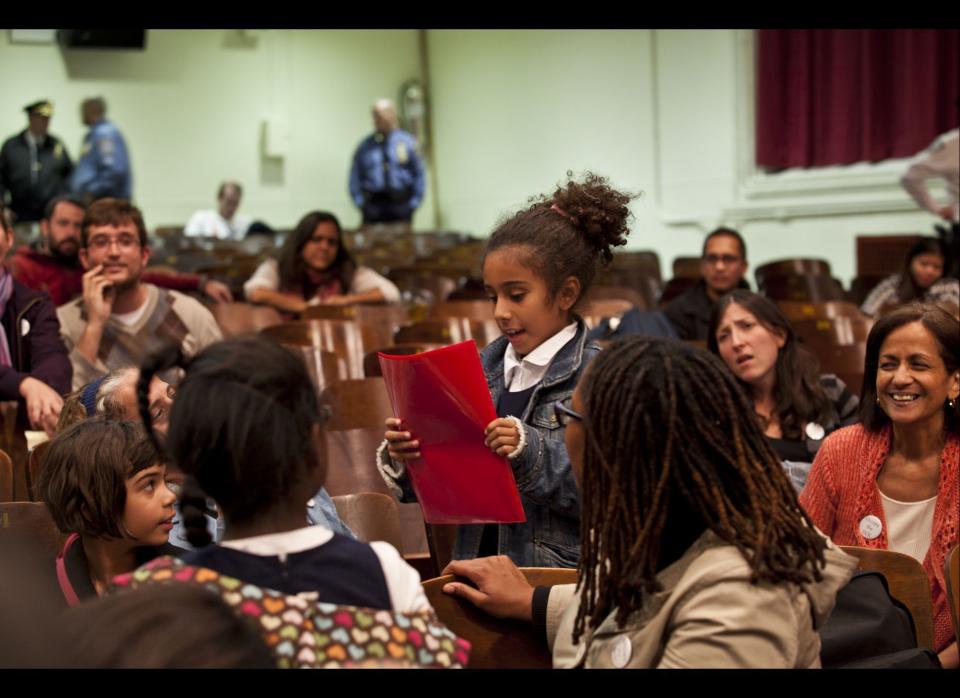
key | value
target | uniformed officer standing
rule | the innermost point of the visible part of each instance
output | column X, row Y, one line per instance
column 34, row 165
column 104, row 165
column 387, row 179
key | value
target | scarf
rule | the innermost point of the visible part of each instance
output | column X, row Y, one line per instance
column 322, row 284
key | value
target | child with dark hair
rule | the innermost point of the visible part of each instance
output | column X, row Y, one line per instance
column 537, row 266
column 104, row 485
column 161, row 627
column 260, row 454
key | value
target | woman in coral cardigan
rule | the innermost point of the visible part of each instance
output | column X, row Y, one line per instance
column 891, row 482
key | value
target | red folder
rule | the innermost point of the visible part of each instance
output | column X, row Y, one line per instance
column 443, row 400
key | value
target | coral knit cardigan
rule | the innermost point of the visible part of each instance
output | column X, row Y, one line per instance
column 842, row 489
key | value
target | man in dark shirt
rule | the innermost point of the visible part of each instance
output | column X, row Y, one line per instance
column 723, row 265
column 34, row 165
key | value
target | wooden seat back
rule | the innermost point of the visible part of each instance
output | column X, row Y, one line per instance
column 496, row 643
column 372, row 516
column 908, row 583
column 243, row 318
column 357, row 403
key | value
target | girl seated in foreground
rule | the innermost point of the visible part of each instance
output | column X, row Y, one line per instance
column 696, row 552
column 104, row 485
column 247, row 430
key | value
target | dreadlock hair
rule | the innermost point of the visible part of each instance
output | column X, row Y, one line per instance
column 255, row 446
column 569, row 233
column 292, row 268
column 670, row 452
column 799, row 396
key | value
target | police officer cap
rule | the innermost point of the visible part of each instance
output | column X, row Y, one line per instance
column 44, row 108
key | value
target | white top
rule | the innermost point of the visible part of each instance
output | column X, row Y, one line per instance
column 365, row 279
column 520, row 374
column 403, row 582
column 942, row 160
column 133, row 317
column 212, row 224
column 909, row 525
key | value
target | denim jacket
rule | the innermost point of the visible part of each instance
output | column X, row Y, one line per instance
column 550, row 537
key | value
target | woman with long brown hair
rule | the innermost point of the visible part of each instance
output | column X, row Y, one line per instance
column 796, row 405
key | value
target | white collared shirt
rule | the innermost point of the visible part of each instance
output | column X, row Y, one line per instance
column 520, row 374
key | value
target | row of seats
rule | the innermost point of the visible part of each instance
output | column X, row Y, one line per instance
column 508, row 644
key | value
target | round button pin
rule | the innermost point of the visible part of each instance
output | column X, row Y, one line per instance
column 621, row 652
column 814, row 431
column 870, row 527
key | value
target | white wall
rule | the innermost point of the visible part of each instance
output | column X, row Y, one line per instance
column 666, row 112
column 193, row 104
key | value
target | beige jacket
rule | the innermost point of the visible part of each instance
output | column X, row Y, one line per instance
column 708, row 615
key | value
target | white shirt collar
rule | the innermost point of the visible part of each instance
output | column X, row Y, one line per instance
column 282, row 544
column 520, row 374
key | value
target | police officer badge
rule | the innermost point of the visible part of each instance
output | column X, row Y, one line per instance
column 402, row 153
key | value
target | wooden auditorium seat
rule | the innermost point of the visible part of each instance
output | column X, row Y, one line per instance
column 496, row 643
column 348, row 339
column 908, row 583
column 243, row 318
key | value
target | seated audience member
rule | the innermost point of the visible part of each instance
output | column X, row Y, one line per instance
column 224, row 223
column 315, row 268
column 260, row 455
column 723, row 265
column 52, row 263
column 920, row 279
column 104, row 485
column 34, row 368
column 115, row 397
column 695, row 551
column 120, row 318
column 796, row 405
column 891, row 482
column 160, row 627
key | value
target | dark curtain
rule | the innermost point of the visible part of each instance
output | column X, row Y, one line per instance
column 840, row 96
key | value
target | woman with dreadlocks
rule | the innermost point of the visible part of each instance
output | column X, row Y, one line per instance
column 695, row 551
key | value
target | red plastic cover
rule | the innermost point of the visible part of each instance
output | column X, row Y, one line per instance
column 443, row 400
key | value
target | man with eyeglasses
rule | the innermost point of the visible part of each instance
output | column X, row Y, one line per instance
column 119, row 319
column 723, row 265
column 52, row 263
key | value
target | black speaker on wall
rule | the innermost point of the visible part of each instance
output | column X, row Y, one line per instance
column 103, row 38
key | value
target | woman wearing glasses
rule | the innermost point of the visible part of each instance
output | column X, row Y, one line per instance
column 695, row 552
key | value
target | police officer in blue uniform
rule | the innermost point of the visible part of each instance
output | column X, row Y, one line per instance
column 34, row 165
column 104, row 165
column 387, row 179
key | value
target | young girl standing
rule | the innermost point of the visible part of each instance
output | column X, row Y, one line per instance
column 536, row 267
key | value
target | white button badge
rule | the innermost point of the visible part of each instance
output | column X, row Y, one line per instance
column 870, row 527
column 620, row 654
column 814, row 431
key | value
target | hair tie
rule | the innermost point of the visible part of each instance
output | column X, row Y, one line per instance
column 88, row 398
column 563, row 213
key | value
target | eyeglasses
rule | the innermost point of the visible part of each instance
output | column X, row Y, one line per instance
column 714, row 259
column 564, row 414
column 125, row 242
